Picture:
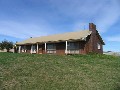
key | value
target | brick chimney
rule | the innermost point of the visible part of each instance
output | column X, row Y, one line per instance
column 92, row 27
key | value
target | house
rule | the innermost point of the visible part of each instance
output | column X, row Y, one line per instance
column 80, row 42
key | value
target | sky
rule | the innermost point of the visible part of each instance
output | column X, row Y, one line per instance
column 22, row 19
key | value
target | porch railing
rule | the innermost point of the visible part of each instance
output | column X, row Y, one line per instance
column 24, row 50
column 51, row 51
column 34, row 51
column 73, row 51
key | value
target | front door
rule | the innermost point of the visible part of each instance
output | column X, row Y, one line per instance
column 40, row 51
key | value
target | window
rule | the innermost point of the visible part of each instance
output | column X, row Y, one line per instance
column 51, row 47
column 73, row 46
column 33, row 49
column 98, row 45
column 23, row 48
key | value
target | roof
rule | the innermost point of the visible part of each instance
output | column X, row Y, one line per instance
column 79, row 35
column 100, row 38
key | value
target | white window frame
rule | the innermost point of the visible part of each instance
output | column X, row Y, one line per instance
column 98, row 46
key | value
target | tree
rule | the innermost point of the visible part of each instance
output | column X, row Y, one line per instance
column 6, row 45
column 1, row 46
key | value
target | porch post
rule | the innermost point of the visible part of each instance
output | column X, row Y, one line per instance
column 37, row 48
column 14, row 48
column 45, row 47
column 31, row 49
column 66, row 48
column 19, row 49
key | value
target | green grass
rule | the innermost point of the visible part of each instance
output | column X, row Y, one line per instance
column 54, row 72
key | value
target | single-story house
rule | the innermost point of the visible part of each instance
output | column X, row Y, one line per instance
column 79, row 42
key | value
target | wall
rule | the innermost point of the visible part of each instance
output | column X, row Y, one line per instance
column 92, row 40
column 40, row 49
column 60, row 47
column 28, row 47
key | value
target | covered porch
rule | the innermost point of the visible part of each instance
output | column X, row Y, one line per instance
column 66, row 47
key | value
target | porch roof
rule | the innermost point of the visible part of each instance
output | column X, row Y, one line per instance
column 79, row 35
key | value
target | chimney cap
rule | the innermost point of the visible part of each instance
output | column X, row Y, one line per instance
column 92, row 27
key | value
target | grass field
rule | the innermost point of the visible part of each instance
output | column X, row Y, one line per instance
column 53, row 72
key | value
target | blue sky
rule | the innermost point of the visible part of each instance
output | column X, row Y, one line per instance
column 21, row 19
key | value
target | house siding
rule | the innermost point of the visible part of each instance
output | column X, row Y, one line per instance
column 60, row 48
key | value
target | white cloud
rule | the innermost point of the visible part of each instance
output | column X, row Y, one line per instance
column 23, row 30
column 113, row 38
column 77, row 8
column 80, row 26
column 109, row 15
column 104, row 13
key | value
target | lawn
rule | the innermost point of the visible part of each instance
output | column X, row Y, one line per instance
column 54, row 72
